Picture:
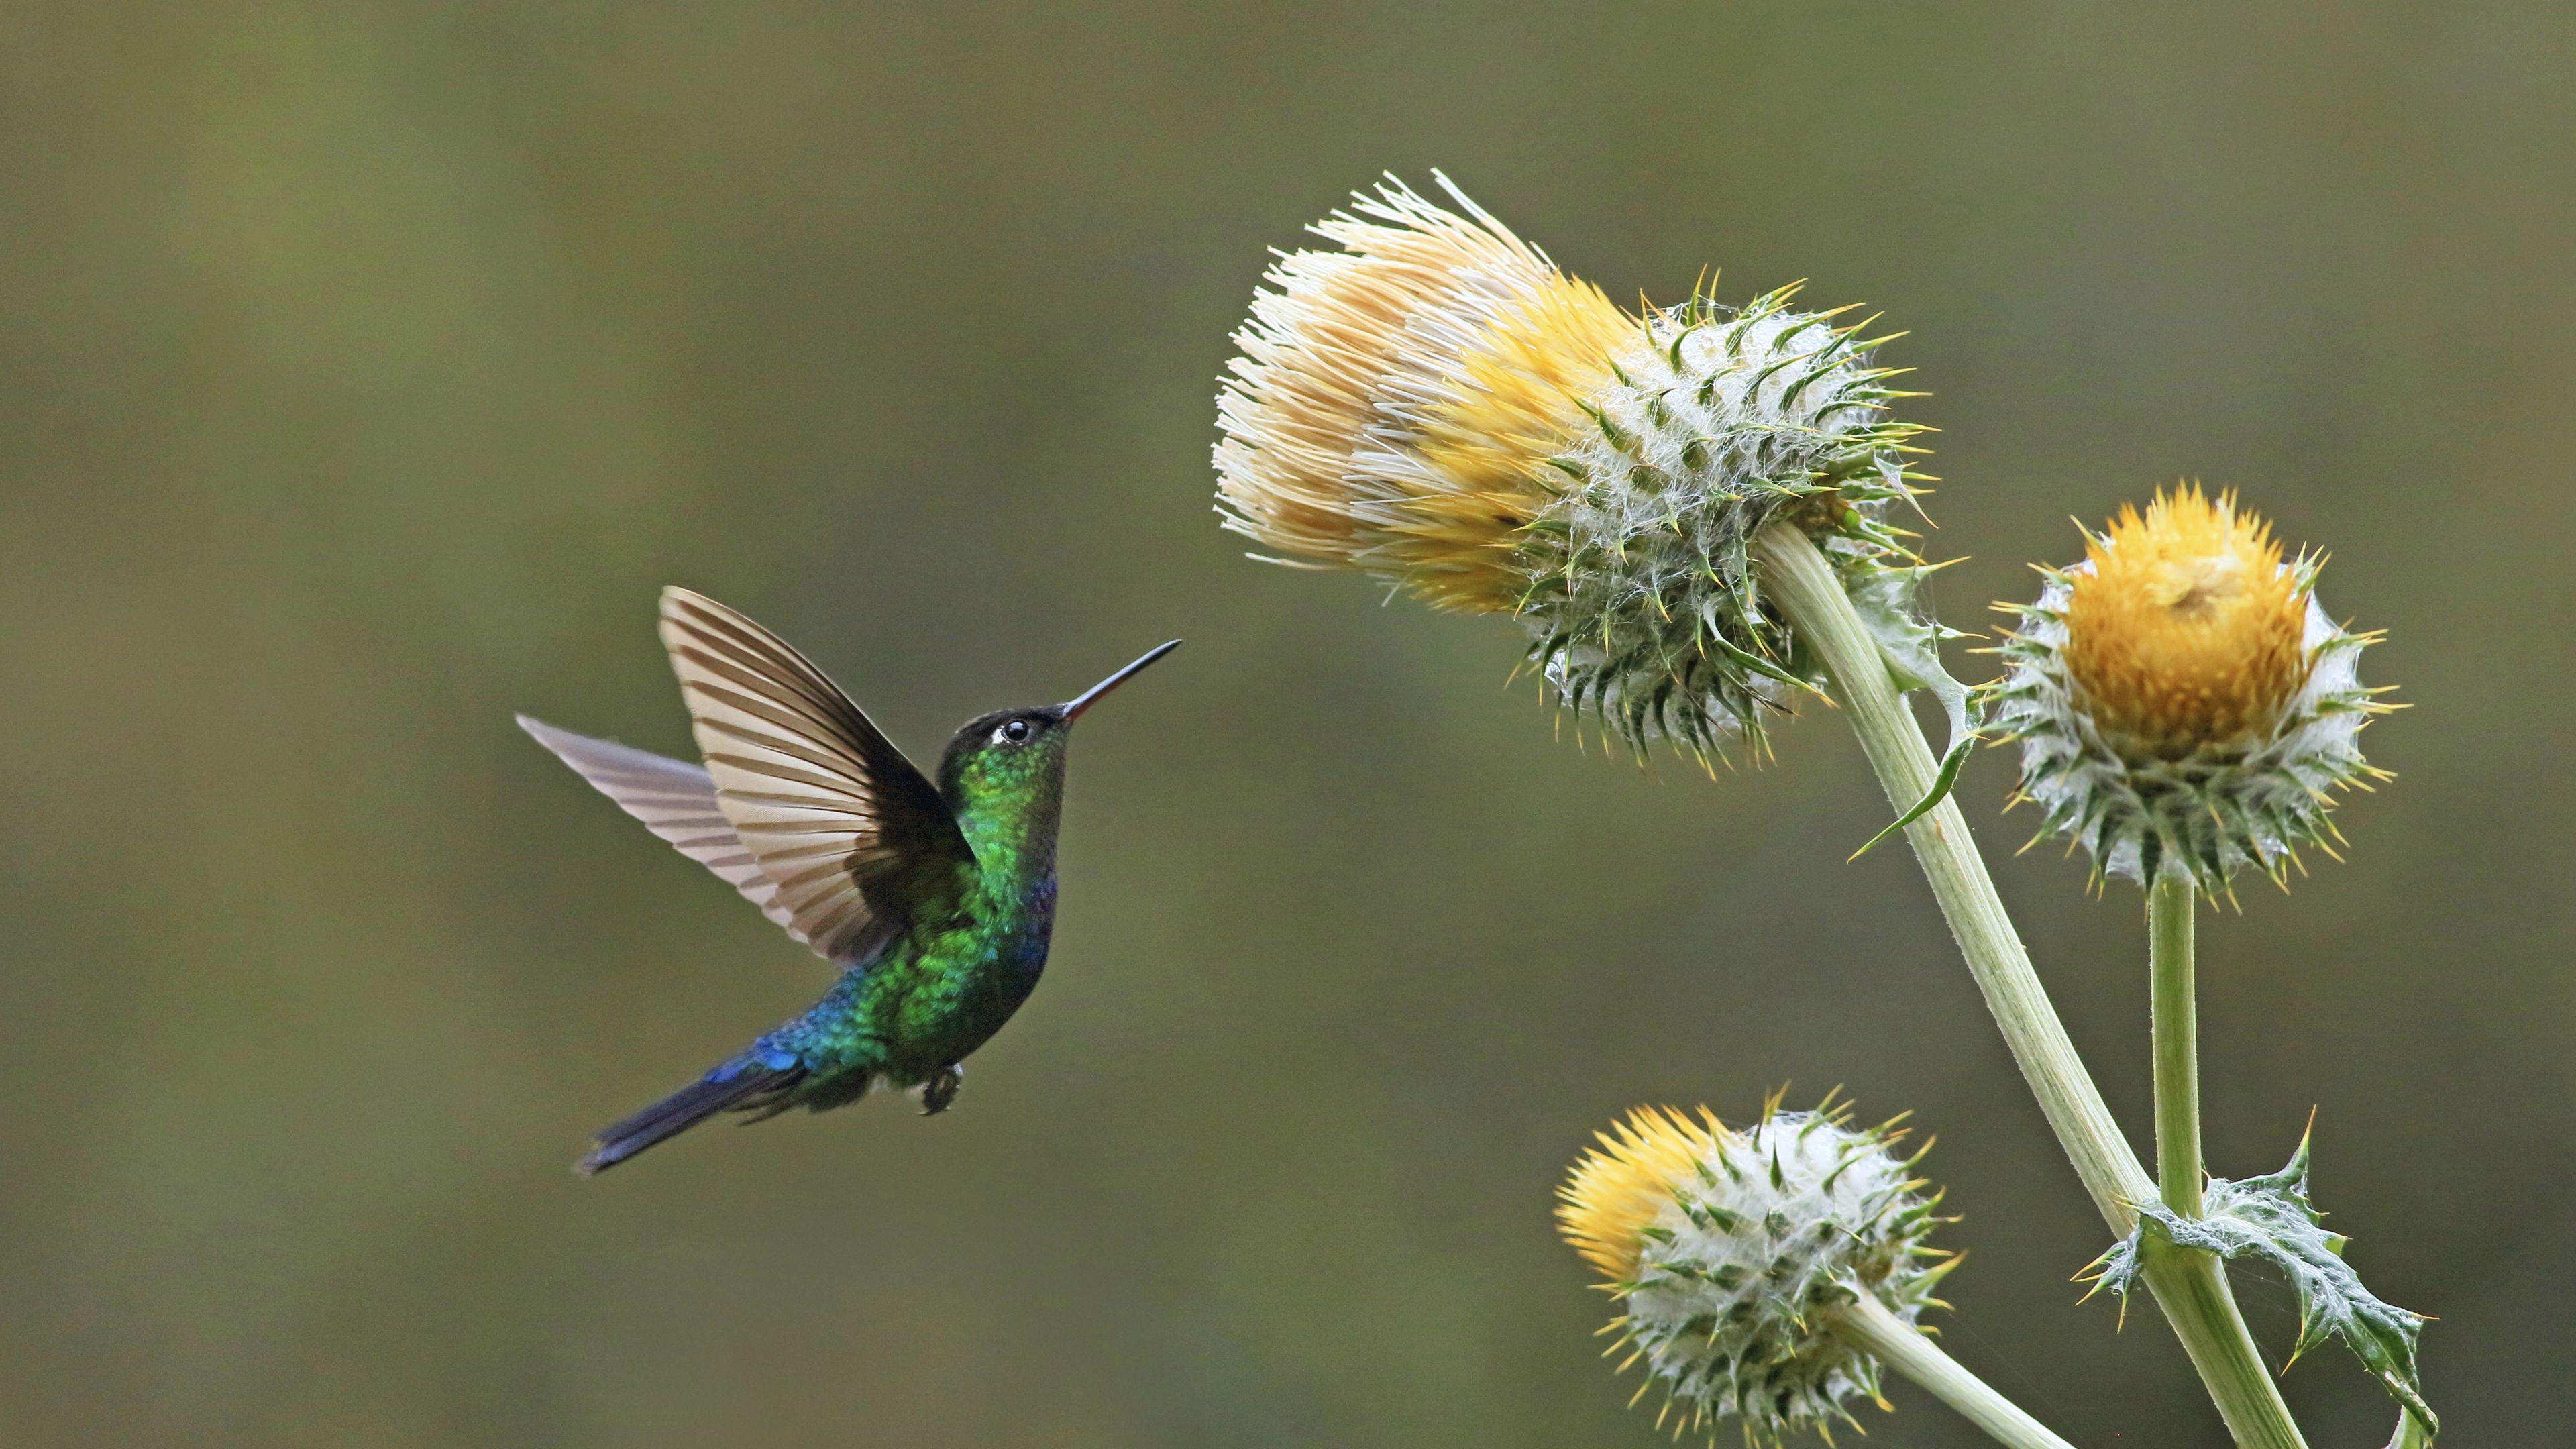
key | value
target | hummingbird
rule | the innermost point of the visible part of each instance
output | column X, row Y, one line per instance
column 935, row 900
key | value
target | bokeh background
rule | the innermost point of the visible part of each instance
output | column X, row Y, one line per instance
column 365, row 368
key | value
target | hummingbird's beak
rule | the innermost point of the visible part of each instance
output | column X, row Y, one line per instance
column 1092, row 695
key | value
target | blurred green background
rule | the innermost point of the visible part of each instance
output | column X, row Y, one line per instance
column 365, row 369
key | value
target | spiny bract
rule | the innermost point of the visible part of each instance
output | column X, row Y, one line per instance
column 1437, row 404
column 2183, row 702
column 1730, row 1251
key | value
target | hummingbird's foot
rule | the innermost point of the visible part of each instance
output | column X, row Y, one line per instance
column 940, row 1092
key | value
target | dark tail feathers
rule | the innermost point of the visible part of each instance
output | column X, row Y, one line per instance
column 749, row 1087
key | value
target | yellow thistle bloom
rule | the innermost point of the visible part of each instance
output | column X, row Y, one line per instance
column 2183, row 702
column 2185, row 629
column 1617, row 1192
column 1437, row 404
column 1455, row 331
column 1736, row 1253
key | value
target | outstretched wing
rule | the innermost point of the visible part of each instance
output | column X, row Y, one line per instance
column 676, row 801
column 853, row 838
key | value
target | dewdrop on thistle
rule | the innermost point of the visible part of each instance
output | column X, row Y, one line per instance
column 2183, row 702
column 1438, row 405
column 1736, row 1254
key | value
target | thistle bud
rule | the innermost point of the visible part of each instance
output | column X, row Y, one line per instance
column 1437, row 404
column 2183, row 702
column 1739, row 1257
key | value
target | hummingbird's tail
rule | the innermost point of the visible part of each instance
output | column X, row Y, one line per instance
column 737, row 1086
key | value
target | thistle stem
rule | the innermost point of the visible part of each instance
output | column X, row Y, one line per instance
column 1869, row 1326
column 2177, row 1042
column 2189, row 1287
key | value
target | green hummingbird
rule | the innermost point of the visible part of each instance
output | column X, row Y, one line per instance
column 935, row 900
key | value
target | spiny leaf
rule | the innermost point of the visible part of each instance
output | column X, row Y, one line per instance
column 1910, row 645
column 2271, row 1218
column 1942, row 780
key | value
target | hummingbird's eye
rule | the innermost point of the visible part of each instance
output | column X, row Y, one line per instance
column 1012, row 733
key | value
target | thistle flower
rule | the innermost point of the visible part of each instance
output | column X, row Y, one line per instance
column 2184, row 704
column 1438, row 405
column 1745, row 1259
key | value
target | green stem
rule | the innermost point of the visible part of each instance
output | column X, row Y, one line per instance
column 2189, row 1287
column 2411, row 1433
column 2177, row 1042
column 1869, row 1326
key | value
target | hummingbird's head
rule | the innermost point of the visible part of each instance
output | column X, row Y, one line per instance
column 1013, row 759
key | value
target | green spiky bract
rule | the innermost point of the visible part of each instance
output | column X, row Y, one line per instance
column 1644, row 605
column 2270, row 1218
column 1737, row 1277
column 2247, row 801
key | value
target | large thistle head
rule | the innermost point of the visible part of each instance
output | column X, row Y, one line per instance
column 1731, row 1252
column 2183, row 702
column 1435, row 403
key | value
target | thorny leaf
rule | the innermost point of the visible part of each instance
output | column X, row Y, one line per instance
column 1910, row 643
column 2271, row 1218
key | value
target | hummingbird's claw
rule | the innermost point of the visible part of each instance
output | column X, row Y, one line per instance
column 940, row 1092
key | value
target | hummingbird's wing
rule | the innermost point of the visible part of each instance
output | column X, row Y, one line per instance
column 676, row 801
column 853, row 837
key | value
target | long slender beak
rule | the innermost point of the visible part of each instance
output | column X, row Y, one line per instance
column 1092, row 695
